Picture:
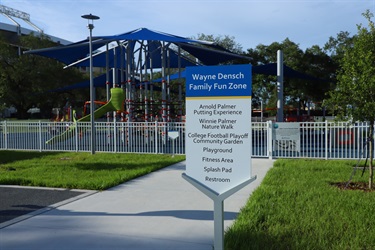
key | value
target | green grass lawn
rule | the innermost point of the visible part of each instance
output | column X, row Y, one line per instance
column 77, row 170
column 296, row 207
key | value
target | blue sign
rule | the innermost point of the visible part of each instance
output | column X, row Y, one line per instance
column 226, row 80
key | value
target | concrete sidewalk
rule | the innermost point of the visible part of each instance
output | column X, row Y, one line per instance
column 157, row 211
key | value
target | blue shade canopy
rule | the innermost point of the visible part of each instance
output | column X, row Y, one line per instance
column 210, row 55
column 154, row 59
column 67, row 54
column 99, row 82
column 150, row 35
column 154, row 53
column 175, row 76
column 267, row 69
column 100, row 59
column 271, row 69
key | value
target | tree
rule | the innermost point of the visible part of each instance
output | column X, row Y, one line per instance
column 313, row 61
column 320, row 65
column 354, row 97
column 226, row 42
column 26, row 79
column 336, row 47
column 264, row 86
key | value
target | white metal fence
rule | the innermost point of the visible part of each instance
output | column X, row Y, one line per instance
column 124, row 137
column 327, row 140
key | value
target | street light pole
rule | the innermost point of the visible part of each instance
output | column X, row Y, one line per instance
column 90, row 26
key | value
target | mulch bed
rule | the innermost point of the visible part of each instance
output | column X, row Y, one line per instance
column 363, row 186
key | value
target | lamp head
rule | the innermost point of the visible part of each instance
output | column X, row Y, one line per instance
column 92, row 18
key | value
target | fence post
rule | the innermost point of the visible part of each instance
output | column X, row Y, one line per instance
column 326, row 140
column 40, row 135
column 269, row 139
column 76, row 137
column 156, row 137
column 115, row 136
column 5, row 135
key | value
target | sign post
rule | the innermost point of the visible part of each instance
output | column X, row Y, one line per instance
column 218, row 134
column 173, row 135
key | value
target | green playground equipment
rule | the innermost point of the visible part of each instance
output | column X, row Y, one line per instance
column 114, row 104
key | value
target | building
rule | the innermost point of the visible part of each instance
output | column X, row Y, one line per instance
column 18, row 23
column 14, row 28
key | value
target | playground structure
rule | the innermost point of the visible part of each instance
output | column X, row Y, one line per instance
column 115, row 104
column 131, row 61
column 134, row 59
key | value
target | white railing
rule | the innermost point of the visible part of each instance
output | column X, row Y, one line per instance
column 325, row 140
column 328, row 140
column 124, row 137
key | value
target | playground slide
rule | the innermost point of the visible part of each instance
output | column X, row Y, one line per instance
column 114, row 104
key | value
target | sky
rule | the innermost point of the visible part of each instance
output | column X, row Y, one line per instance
column 249, row 22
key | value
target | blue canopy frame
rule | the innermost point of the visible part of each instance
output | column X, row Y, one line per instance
column 135, row 54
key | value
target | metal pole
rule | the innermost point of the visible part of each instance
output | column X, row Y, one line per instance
column 163, row 83
column 218, row 224
column 92, row 90
column 280, row 87
column 179, row 86
column 92, row 106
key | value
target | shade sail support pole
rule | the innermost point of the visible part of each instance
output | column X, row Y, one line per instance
column 280, row 86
